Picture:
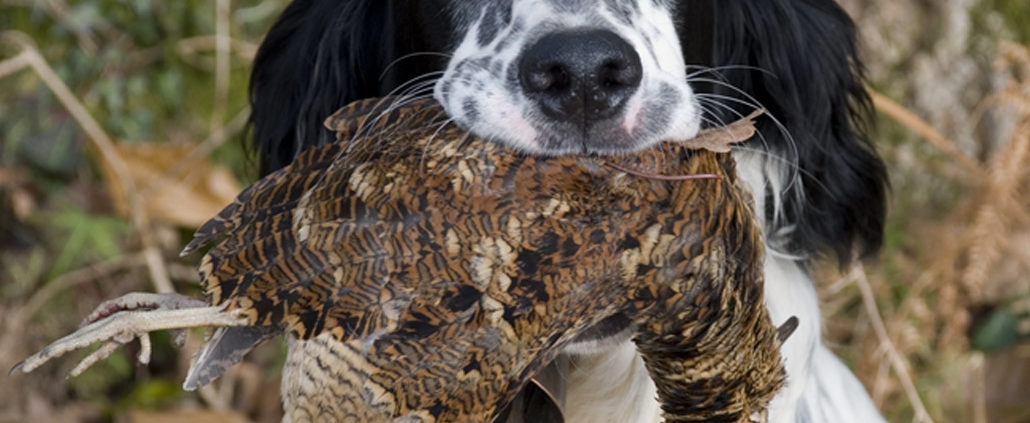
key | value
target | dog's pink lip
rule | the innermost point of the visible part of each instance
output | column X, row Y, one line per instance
column 632, row 119
column 525, row 134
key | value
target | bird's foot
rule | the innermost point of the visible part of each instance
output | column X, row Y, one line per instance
column 117, row 322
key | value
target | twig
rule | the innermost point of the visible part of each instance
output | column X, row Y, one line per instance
column 77, row 277
column 257, row 12
column 881, row 383
column 103, row 142
column 223, row 47
column 898, row 362
column 214, row 397
column 211, row 394
column 16, row 320
column 979, row 391
column 14, row 64
column 916, row 124
column 87, row 32
column 194, row 45
column 59, row 12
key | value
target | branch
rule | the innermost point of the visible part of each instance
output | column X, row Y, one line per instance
column 223, row 51
column 916, row 124
column 897, row 362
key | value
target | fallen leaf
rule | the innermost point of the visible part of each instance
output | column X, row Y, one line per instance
column 172, row 187
column 23, row 204
column 192, row 416
column 720, row 139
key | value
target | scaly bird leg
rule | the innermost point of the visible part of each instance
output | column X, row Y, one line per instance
column 117, row 322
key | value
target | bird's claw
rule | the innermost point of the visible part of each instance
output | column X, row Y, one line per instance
column 138, row 301
column 118, row 322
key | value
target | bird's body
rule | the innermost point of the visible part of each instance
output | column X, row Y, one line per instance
column 425, row 275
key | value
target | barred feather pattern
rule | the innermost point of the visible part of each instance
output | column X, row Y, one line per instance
column 425, row 275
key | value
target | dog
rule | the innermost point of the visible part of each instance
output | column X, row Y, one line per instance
column 553, row 77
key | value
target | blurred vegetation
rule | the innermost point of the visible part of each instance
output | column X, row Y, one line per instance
column 951, row 283
column 950, row 289
column 148, row 72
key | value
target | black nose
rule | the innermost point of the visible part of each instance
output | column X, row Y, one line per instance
column 581, row 76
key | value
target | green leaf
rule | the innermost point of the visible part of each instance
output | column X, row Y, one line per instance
column 85, row 237
column 153, row 394
column 999, row 331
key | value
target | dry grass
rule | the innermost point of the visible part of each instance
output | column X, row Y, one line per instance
column 947, row 268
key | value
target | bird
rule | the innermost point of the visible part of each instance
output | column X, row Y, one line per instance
column 422, row 274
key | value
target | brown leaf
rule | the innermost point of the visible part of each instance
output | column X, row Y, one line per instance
column 720, row 140
column 172, row 187
column 196, row 416
column 16, row 185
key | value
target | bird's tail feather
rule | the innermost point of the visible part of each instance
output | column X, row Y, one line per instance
column 226, row 347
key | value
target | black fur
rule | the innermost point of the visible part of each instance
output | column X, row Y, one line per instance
column 323, row 54
column 807, row 74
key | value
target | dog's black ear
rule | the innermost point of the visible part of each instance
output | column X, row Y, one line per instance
column 797, row 59
column 321, row 55
column 303, row 70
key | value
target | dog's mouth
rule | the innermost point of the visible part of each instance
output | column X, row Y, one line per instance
column 635, row 125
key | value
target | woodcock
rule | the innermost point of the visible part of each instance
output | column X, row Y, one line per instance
column 421, row 274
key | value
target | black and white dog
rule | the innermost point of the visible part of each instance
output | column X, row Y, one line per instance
column 561, row 76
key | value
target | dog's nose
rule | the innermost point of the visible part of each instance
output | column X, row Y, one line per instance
column 580, row 76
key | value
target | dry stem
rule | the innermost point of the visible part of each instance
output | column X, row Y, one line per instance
column 194, row 45
column 916, row 124
column 223, row 46
column 898, row 362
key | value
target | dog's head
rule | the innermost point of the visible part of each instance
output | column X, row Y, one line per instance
column 564, row 76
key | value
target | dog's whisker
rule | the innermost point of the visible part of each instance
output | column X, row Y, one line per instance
column 791, row 141
column 751, row 101
column 719, row 99
column 794, row 178
column 786, row 162
column 429, row 143
column 352, row 145
column 409, row 92
column 416, row 82
column 411, row 56
column 417, row 91
column 718, row 69
column 706, row 100
column 733, row 99
column 395, row 103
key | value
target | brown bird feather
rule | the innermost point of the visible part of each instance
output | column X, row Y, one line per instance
column 425, row 275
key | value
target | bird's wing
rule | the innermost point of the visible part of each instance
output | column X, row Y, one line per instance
column 263, row 214
column 356, row 245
